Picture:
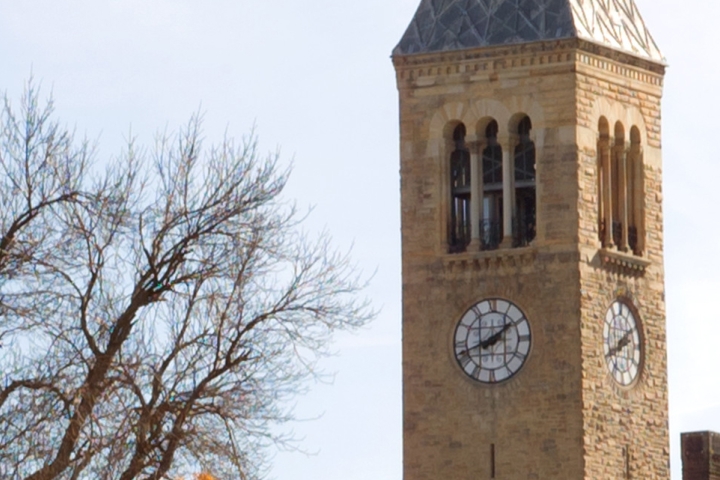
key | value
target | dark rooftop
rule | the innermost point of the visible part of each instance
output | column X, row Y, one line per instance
column 447, row 25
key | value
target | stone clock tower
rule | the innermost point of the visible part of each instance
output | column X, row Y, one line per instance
column 533, row 285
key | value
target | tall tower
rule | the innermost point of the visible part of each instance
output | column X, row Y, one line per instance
column 533, row 284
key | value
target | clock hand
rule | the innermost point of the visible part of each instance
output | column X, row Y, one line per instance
column 491, row 341
column 467, row 350
column 622, row 343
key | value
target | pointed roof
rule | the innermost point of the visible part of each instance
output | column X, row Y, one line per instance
column 446, row 25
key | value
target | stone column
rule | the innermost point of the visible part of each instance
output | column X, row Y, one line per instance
column 701, row 456
column 638, row 202
column 508, row 190
column 537, row 137
column 607, row 195
column 446, row 189
column 601, row 193
column 622, row 187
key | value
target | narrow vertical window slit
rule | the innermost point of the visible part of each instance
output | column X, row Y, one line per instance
column 492, row 460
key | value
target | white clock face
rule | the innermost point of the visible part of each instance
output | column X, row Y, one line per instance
column 492, row 341
column 622, row 346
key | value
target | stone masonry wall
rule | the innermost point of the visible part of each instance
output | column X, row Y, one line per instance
column 534, row 420
column 561, row 416
column 616, row 418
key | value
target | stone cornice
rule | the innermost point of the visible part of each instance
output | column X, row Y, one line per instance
column 568, row 52
column 623, row 263
column 491, row 259
column 454, row 56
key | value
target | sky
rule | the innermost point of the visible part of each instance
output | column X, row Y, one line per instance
column 315, row 80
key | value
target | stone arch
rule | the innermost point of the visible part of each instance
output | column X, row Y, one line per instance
column 515, row 120
column 613, row 112
column 635, row 118
column 481, row 127
column 442, row 124
column 450, row 128
column 526, row 106
column 621, row 132
column 490, row 109
column 604, row 127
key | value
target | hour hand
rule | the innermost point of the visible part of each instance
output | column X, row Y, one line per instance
column 622, row 343
column 492, row 340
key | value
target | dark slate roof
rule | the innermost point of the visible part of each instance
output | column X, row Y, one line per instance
column 446, row 25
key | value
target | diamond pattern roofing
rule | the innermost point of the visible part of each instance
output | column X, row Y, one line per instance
column 446, row 25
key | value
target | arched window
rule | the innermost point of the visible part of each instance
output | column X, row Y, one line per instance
column 619, row 191
column 492, row 186
column 524, row 220
column 604, row 187
column 636, row 190
column 459, row 235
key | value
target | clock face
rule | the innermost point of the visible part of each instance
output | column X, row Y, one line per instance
column 492, row 341
column 623, row 349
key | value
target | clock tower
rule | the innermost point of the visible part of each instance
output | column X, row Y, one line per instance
column 533, row 286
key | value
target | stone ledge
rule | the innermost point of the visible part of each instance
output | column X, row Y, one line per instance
column 486, row 259
column 623, row 262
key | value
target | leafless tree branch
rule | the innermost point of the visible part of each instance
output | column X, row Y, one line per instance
column 156, row 311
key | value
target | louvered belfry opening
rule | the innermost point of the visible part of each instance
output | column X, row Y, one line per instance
column 460, row 186
column 492, row 168
column 524, row 220
column 621, row 189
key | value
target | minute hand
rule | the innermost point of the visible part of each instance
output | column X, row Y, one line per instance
column 622, row 343
column 495, row 338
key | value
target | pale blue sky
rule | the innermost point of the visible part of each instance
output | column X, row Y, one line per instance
column 316, row 80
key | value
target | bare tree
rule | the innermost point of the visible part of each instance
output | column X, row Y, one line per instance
column 155, row 312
